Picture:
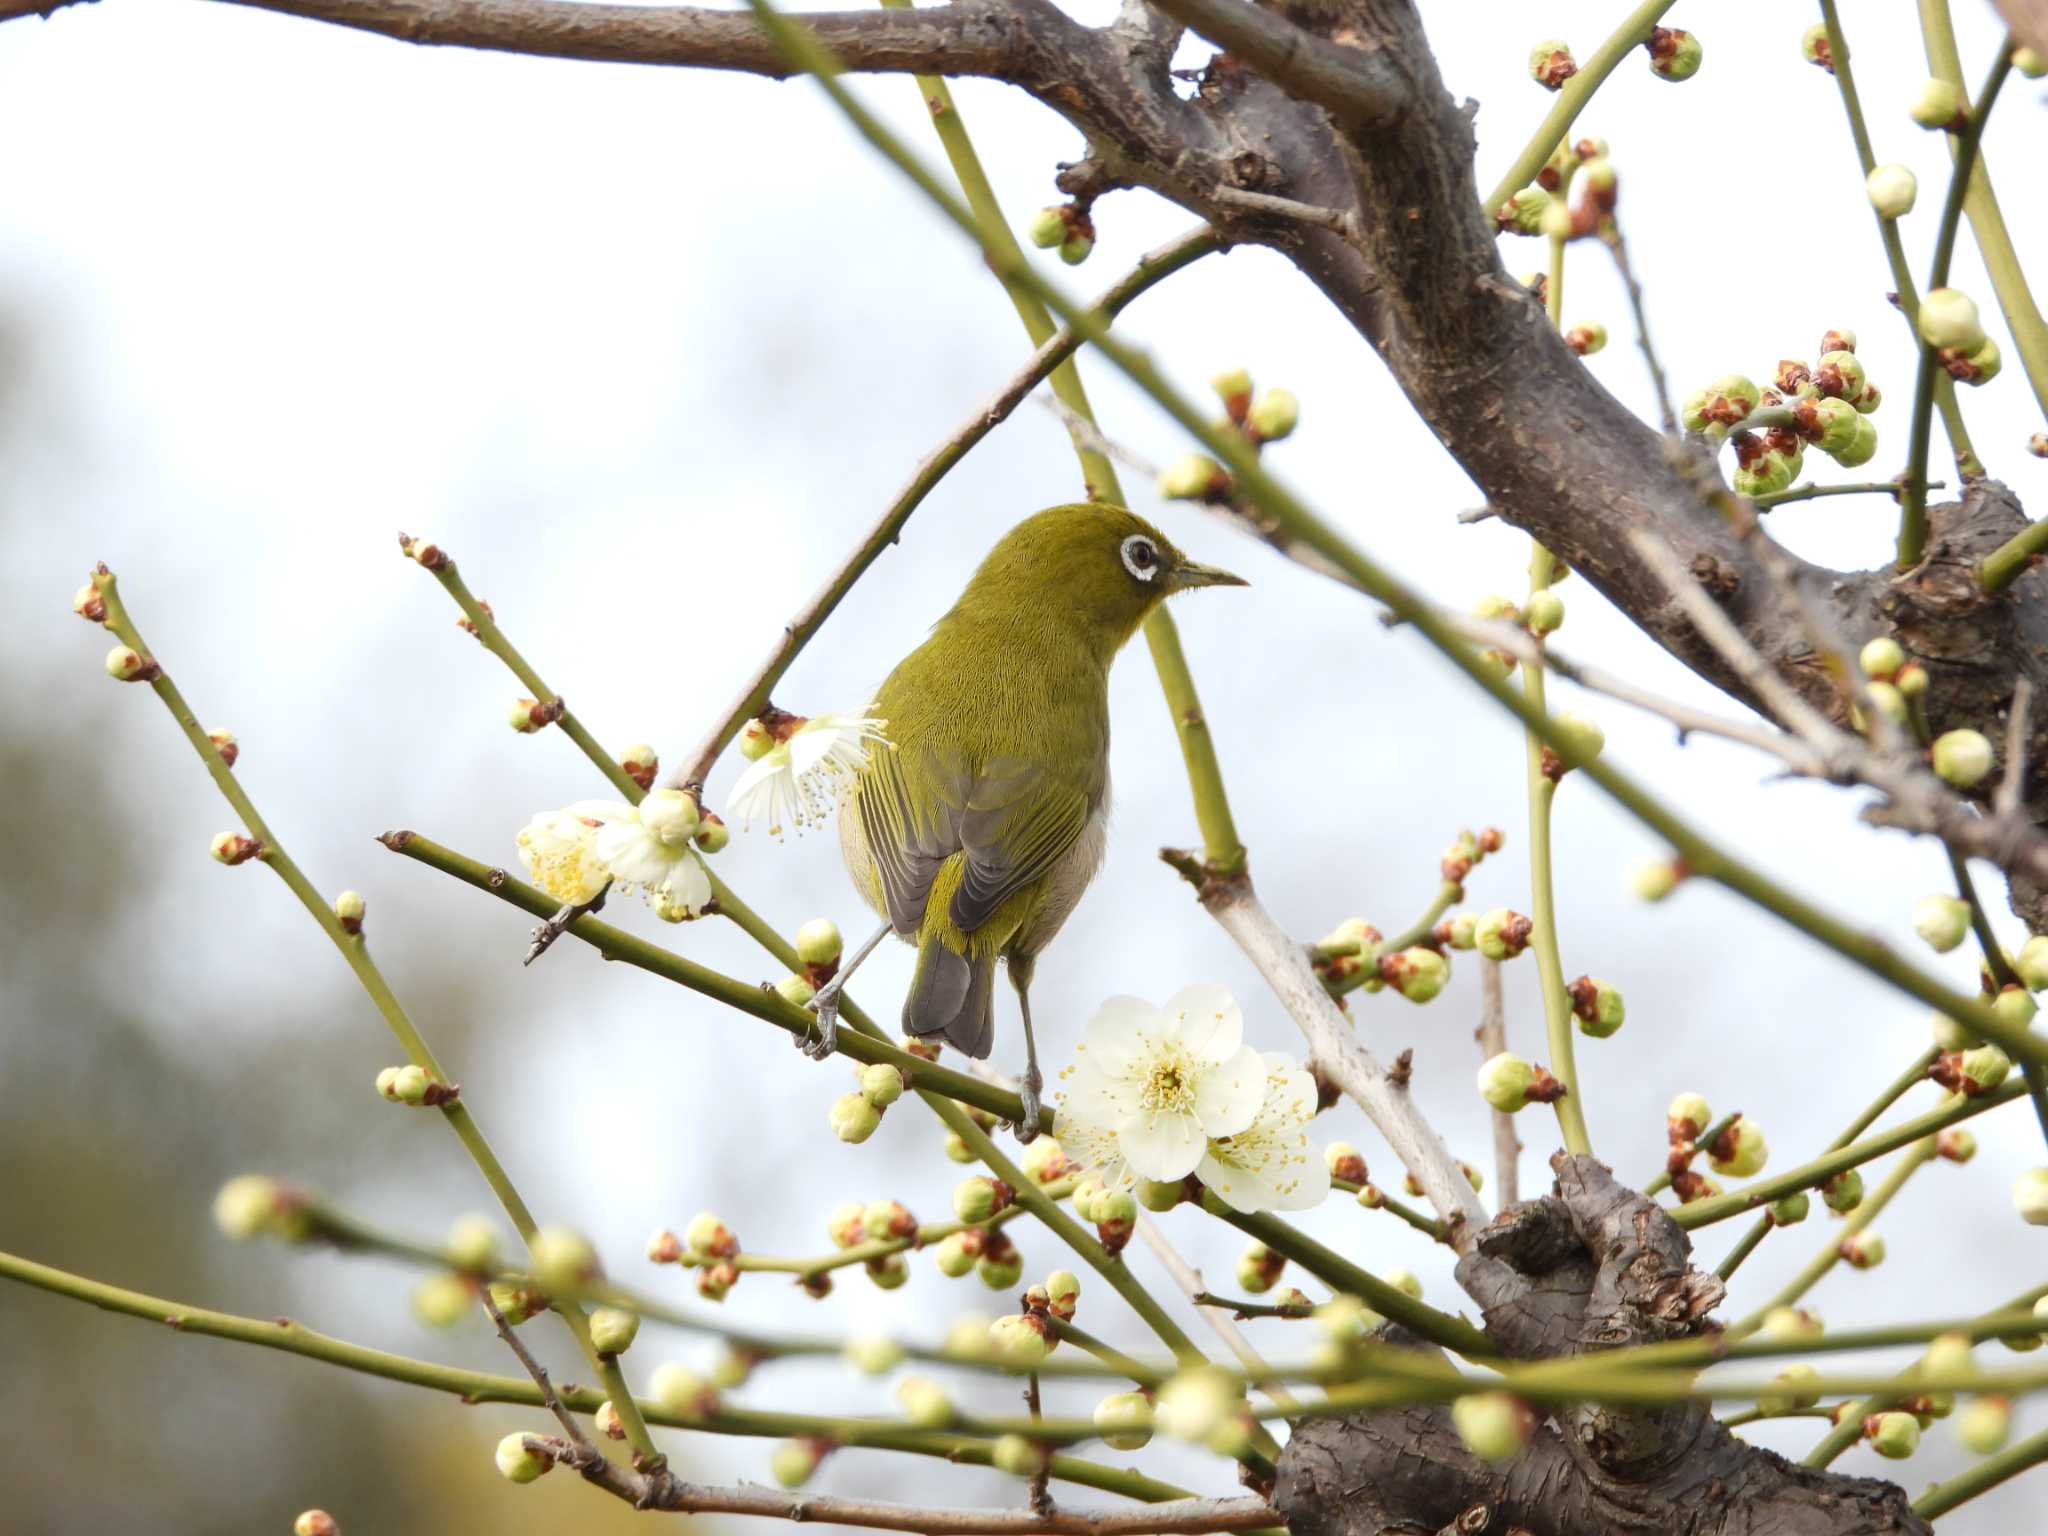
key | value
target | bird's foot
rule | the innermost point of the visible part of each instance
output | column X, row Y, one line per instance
column 823, row 1038
column 1028, row 1091
column 545, row 935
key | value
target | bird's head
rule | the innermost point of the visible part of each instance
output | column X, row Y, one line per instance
column 1100, row 566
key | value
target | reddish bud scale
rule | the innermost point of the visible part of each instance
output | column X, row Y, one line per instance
column 426, row 552
column 641, row 773
column 1961, row 367
column 1543, row 1088
column 1791, row 374
column 1683, row 1151
column 1553, row 766
column 996, row 1244
column 91, row 605
column 1947, row 1070
column 924, row 1050
column 1270, row 1266
column 234, row 848
column 1350, row 1168
column 1552, row 72
column 715, row 1280
column 1781, row 440
column 1837, row 341
column 817, row 1286
column 664, row 1248
column 1723, row 1148
column 1492, row 840
column 1690, row 1186
column 1823, row 55
column 1114, row 1236
column 225, row 744
column 1580, row 339
column 437, row 1093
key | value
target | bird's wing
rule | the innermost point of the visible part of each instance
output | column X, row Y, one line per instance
column 1012, row 820
column 1020, row 821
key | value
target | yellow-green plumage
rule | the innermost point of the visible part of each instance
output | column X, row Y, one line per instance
column 976, row 830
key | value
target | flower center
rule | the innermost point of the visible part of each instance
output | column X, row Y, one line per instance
column 1170, row 1085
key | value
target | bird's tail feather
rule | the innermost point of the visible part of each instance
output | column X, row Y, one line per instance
column 953, row 996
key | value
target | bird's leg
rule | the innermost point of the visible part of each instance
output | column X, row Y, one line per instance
column 1027, row 1129
column 545, row 935
column 824, row 1040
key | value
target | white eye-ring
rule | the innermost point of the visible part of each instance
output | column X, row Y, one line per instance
column 1141, row 557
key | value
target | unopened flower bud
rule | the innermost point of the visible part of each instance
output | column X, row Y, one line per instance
column 1556, row 220
column 1790, row 1324
column 1937, row 104
column 818, row 942
column 1194, row 477
column 2031, row 963
column 1674, row 55
column 1504, row 1082
column 1955, row 1144
column 1461, row 930
column 1493, row 1425
column 564, row 1262
column 1018, row 1456
column 712, row 833
column 1654, row 879
column 1063, row 1293
column 664, row 1247
column 404, row 1085
column 2030, row 1196
column 1156, row 1196
column 1233, row 387
column 1579, row 738
column 1551, row 63
column 1862, row 1250
column 1000, row 1271
column 1863, row 446
column 756, row 740
column 1983, row 1069
column 1885, row 700
column 1419, row 974
column 1523, row 212
column 251, row 1205
column 1978, row 365
column 1962, row 758
column 90, row 604
column 1045, row 1160
column 1790, row 1211
column 1048, row 228
column 1114, row 1207
column 1345, row 1162
column 2015, row 1005
column 1881, row 658
column 1544, row 611
column 1985, row 1424
column 794, row 1462
column 1815, row 48
column 681, row 1391
column 234, row 848
column 126, row 665
column 516, row 1303
column 1586, row 338
column 1259, row 1268
column 1689, row 1113
column 2030, row 62
column 1843, row 1192
column 526, row 716
column 1896, row 1435
column 608, row 1422
column 1019, row 1339
column 1124, row 1420
column 1502, row 934
column 520, row 1463
column 1274, row 416
column 1740, row 1150
column 926, row 1404
column 1598, row 1006
column 1948, row 321
column 442, row 1299
column 977, row 1199
column 881, row 1083
column 1076, row 249
column 612, row 1329
column 872, row 1354
column 316, row 1522
column 886, row 1219
column 853, row 1118
column 1892, row 189
column 957, row 1253
column 1799, row 1393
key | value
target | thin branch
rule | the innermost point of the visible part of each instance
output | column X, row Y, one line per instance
column 1983, row 1477
column 991, row 38
column 1354, row 85
column 2005, row 804
column 1492, row 1035
column 1189, row 1279
column 1340, row 221
column 537, row 1371
column 1617, row 247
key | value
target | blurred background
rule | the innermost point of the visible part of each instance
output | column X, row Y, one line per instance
column 646, row 350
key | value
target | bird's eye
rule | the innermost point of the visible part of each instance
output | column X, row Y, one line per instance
column 1141, row 557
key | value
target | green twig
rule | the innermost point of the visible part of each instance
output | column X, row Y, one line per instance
column 1983, row 1477
column 1913, row 497
column 2014, row 558
column 1810, row 492
column 1830, row 1254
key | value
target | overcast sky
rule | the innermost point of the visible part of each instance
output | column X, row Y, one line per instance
column 646, row 350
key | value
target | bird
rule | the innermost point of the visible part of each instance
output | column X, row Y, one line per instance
column 975, row 830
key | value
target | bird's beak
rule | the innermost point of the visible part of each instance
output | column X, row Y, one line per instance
column 1191, row 574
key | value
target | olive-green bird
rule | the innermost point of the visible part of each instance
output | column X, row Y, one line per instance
column 974, row 833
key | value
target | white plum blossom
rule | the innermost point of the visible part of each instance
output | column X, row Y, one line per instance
column 1154, row 1087
column 1270, row 1165
column 797, row 781
column 559, row 849
column 658, row 861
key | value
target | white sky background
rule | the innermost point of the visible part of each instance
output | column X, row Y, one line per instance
column 646, row 350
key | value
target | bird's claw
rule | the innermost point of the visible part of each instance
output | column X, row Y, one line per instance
column 1027, row 1128
column 822, row 1039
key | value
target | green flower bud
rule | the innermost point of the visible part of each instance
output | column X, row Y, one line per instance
column 1654, row 879
column 2030, row 1196
column 1493, row 1425
column 1195, row 477
column 1344, row 1319
column 516, row 1303
column 1045, row 1160
column 1419, row 974
column 873, row 1354
column 1504, row 1082
column 1086, row 1193
column 1523, row 212
column 1740, row 1150
column 2015, row 1005
column 349, row 908
column 1275, row 416
column 1000, row 1272
column 1674, row 55
column 1077, row 250
column 1955, row 1144
column 1844, row 1192
column 709, row 1237
column 1886, row 699
column 795, row 990
column 1160, row 1197
column 1980, row 365
column 1864, row 447
column 564, row 1262
column 1840, row 375
column 732, row 1367
column 613, row 1329
column 1815, row 48
column 967, row 1337
column 1498, row 609
column 1233, row 387
column 1985, row 1424
column 1556, row 223
column 958, row 1150
column 712, row 833
column 979, row 1198
column 1048, row 228
column 404, row 1085
column 232, row 848
column 1862, row 1250
column 125, row 665
column 2031, row 963
column 1891, row 189
column 1985, row 1068
column 1580, row 739
column 1948, row 321
column 1017, row 1456
column 1791, row 1210
column 853, row 1118
column 1689, row 1113
column 881, row 1084
column 670, row 815
column 847, row 1224
column 1896, row 1435
column 1798, row 1380
column 1937, row 104
column 1551, row 63
column 1345, row 1162
column 1020, row 1340
column 1598, row 1006
column 955, row 1255
column 794, row 1462
column 1259, row 1268
column 316, row 1522
column 1881, row 658
column 926, row 1404
column 1943, row 921
column 1407, row 1282
column 1124, row 1420
column 1586, row 338
column 1462, row 930
column 1501, row 934
column 1829, row 422
column 1063, row 1293
column 1194, row 1404
column 521, row 1463
column 1789, row 1324
column 681, row 1391
column 818, row 942
column 887, row 1219
column 442, row 1300
column 1544, row 612
column 1870, row 399
column 2030, row 62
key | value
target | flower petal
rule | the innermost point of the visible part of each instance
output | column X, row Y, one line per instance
column 1211, row 1023
column 1118, row 1034
column 1161, row 1145
column 1228, row 1097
